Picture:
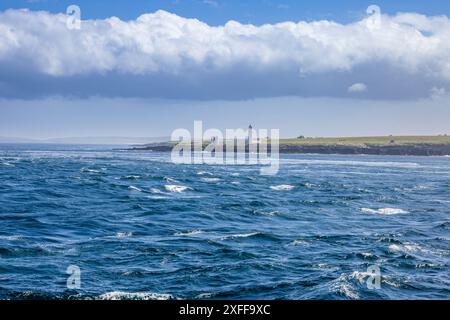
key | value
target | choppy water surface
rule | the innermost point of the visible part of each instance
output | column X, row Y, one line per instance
column 141, row 227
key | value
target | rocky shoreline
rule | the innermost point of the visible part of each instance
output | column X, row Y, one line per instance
column 394, row 150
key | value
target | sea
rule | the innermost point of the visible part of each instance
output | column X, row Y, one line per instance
column 98, row 222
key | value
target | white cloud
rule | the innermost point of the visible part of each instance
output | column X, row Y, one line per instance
column 438, row 93
column 357, row 87
column 211, row 3
column 164, row 44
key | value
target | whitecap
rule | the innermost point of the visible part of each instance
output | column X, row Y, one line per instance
column 123, row 234
column 120, row 295
column 210, row 179
column 237, row 236
column 90, row 170
column 187, row 234
column 206, row 295
column 171, row 180
column 156, row 197
column 343, row 287
column 299, row 243
column 133, row 177
column 176, row 188
column 385, row 211
column 406, row 248
column 11, row 238
column 7, row 164
column 134, row 188
column 202, row 173
column 268, row 213
column 282, row 187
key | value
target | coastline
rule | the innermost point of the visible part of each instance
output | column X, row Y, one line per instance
column 387, row 145
column 344, row 149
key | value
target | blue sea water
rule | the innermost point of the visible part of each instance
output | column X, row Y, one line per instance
column 141, row 227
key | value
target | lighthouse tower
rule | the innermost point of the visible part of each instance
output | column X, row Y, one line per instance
column 250, row 134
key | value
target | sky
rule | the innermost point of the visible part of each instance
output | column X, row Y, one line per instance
column 145, row 68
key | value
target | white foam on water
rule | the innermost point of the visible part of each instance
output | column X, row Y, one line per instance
column 123, row 234
column 385, row 211
column 176, row 188
column 282, row 187
column 171, row 180
column 11, row 238
column 237, row 236
column 211, row 180
column 133, row 177
column 367, row 255
column 299, row 243
column 156, row 197
column 187, row 234
column 155, row 190
column 343, row 287
column 202, row 173
column 206, row 295
column 90, row 170
column 134, row 188
column 405, row 248
column 121, row 295
column 268, row 213
column 7, row 164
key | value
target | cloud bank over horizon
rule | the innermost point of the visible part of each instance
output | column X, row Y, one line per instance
column 162, row 55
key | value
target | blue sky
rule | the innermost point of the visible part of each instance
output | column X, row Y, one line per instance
column 329, row 68
column 216, row 12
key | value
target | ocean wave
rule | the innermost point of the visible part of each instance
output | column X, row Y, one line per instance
column 210, row 179
column 7, row 164
column 123, row 234
column 406, row 248
column 206, row 295
column 189, row 233
column 202, row 173
column 282, row 187
column 343, row 287
column 121, row 295
column 132, row 177
column 12, row 238
column 267, row 212
column 238, row 236
column 176, row 188
column 91, row 170
column 299, row 243
column 155, row 197
column 385, row 211
column 134, row 188
column 170, row 180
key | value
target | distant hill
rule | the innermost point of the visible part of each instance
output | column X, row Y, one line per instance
column 88, row 140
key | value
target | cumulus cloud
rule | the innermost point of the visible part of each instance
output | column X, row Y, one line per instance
column 164, row 55
column 438, row 93
column 357, row 87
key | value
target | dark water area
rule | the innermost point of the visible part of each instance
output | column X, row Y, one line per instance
column 140, row 227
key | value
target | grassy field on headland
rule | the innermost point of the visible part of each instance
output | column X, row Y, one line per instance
column 387, row 145
column 364, row 141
